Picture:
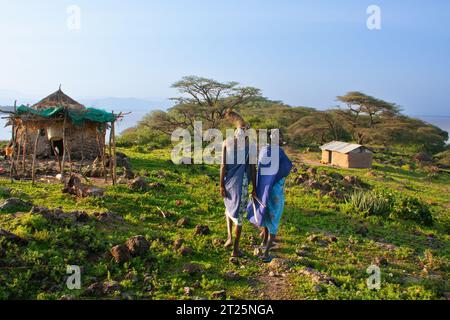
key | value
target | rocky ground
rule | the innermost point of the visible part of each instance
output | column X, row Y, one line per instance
column 159, row 234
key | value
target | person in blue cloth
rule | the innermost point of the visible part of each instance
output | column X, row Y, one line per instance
column 235, row 174
column 266, row 208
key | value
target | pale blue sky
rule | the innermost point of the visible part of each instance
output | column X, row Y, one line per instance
column 300, row 52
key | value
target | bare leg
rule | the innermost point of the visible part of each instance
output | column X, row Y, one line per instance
column 264, row 236
column 268, row 246
column 236, row 252
column 229, row 242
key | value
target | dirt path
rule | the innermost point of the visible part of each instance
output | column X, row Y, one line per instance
column 274, row 288
column 300, row 157
column 271, row 285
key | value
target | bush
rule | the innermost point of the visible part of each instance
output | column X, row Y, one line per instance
column 443, row 159
column 370, row 203
column 389, row 204
column 409, row 208
column 142, row 136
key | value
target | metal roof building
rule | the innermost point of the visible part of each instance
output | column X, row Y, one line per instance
column 346, row 155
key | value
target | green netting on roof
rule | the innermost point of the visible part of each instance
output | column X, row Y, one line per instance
column 78, row 117
column 91, row 114
column 47, row 113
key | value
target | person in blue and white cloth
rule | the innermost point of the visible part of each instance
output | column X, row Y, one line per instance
column 235, row 175
column 266, row 208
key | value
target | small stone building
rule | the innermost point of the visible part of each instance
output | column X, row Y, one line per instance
column 346, row 155
column 84, row 134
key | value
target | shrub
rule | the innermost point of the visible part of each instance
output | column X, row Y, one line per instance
column 410, row 208
column 443, row 159
column 389, row 204
column 370, row 203
column 5, row 193
column 141, row 136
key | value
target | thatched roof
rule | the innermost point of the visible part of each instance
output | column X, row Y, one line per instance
column 58, row 99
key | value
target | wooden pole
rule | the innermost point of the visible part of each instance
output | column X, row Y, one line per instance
column 114, row 157
column 69, row 155
column 101, row 150
column 13, row 138
column 82, row 149
column 110, row 154
column 33, row 166
column 104, row 154
column 64, row 145
column 19, row 146
column 24, row 150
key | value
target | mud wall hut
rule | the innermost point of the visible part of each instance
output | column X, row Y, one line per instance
column 62, row 123
column 346, row 155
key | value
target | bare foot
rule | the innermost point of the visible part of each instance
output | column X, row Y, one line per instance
column 229, row 243
column 237, row 254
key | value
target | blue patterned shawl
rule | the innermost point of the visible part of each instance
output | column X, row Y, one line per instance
column 265, row 182
column 236, row 167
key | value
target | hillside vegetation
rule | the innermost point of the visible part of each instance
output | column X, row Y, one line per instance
column 358, row 117
column 323, row 252
column 159, row 233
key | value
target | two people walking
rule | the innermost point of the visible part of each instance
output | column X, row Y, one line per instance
column 266, row 205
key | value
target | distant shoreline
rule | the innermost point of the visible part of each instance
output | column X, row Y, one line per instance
column 132, row 120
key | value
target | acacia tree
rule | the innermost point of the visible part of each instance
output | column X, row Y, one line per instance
column 363, row 113
column 403, row 130
column 317, row 127
column 162, row 122
column 201, row 99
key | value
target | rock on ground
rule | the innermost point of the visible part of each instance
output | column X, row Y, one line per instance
column 184, row 251
column 178, row 243
column 316, row 276
column 108, row 217
column 137, row 245
column 75, row 187
column 58, row 216
column 322, row 239
column 232, row 276
column 138, row 184
column 278, row 264
column 121, row 254
column 183, row 222
column 351, row 180
column 202, row 230
column 192, row 268
column 386, row 246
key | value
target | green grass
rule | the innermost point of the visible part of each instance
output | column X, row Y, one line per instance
column 37, row 270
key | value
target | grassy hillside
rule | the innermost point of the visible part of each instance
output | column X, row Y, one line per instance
column 324, row 248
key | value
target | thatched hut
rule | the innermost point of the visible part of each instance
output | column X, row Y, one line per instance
column 60, row 128
column 346, row 155
column 84, row 134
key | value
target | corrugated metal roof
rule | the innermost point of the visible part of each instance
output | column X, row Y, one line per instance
column 339, row 146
